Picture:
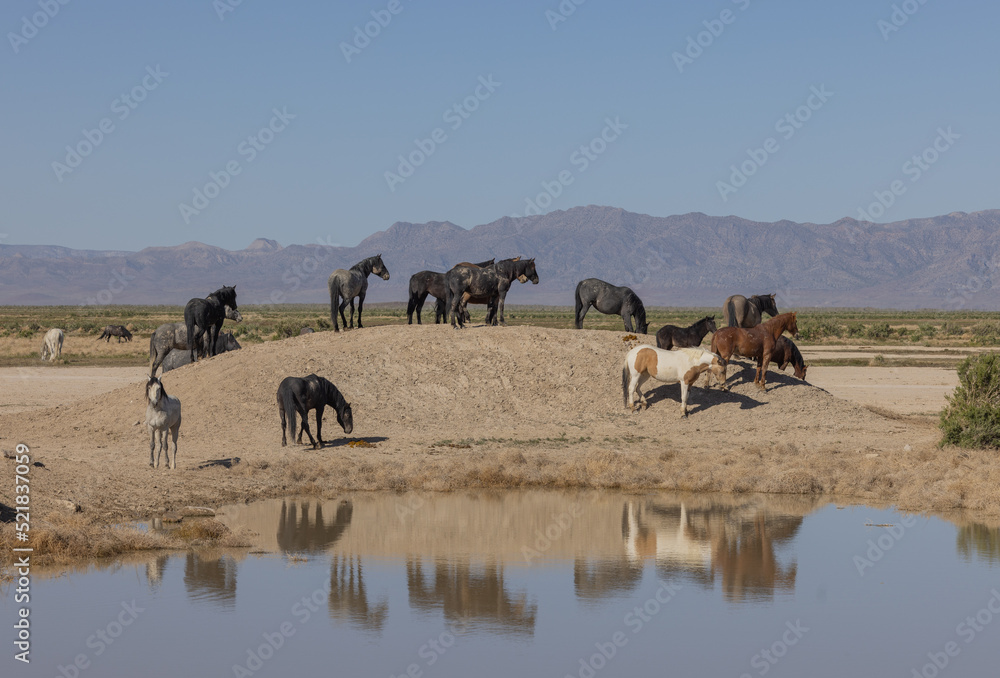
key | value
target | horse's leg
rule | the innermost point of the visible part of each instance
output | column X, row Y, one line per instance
column 343, row 305
column 174, row 431
column 627, row 317
column 361, row 303
column 305, row 427
column 319, row 426
column 643, row 378
column 440, row 311
column 684, row 399
column 352, row 313
column 334, row 303
column 765, row 360
column 152, row 445
column 281, row 414
column 581, row 314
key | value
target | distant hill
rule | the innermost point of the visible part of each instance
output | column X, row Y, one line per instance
column 685, row 260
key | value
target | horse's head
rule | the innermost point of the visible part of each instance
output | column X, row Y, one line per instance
column 233, row 314
column 345, row 418
column 528, row 272
column 766, row 304
column 709, row 322
column 378, row 268
column 226, row 296
column 229, row 341
column 154, row 391
column 800, row 371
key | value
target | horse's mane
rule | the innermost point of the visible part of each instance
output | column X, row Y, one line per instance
column 360, row 266
column 796, row 354
column 333, row 395
column 225, row 295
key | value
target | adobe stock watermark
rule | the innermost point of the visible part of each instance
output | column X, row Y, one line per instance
column 958, row 296
column 249, row 149
column 435, row 648
column 301, row 272
column 563, row 11
column 968, row 630
column 877, row 548
column 701, row 41
column 224, row 7
column 455, row 116
column 581, row 160
column 635, row 620
column 765, row 660
column 120, row 280
column 914, row 168
column 30, row 25
column 899, row 16
column 121, row 107
column 102, row 639
column 557, row 527
column 787, row 126
column 363, row 36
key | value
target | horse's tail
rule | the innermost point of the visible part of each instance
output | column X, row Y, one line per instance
column 411, row 305
column 288, row 404
column 730, row 313
column 625, row 381
column 579, row 307
column 334, row 304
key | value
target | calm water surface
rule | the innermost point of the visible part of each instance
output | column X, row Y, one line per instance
column 558, row 584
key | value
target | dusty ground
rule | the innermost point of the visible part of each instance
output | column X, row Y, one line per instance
column 506, row 407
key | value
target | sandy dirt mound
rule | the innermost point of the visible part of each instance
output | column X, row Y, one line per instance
column 431, row 394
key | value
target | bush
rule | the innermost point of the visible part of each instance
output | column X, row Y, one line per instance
column 972, row 417
column 985, row 333
column 878, row 331
column 928, row 329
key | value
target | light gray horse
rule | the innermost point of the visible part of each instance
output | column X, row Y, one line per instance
column 738, row 311
column 163, row 415
column 52, row 344
column 345, row 285
column 173, row 336
column 225, row 342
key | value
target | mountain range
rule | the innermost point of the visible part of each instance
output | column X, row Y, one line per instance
column 945, row 262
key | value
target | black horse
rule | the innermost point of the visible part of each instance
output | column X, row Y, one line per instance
column 671, row 336
column 119, row 331
column 431, row 283
column 301, row 394
column 347, row 284
column 208, row 313
column 465, row 283
column 610, row 300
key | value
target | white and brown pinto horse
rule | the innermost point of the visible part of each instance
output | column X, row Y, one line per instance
column 683, row 365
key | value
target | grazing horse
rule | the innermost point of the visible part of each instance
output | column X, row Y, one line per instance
column 52, row 344
column 226, row 342
column 466, row 283
column 163, row 415
column 684, row 365
column 119, row 331
column 756, row 342
column 671, row 336
column 610, row 300
column 431, row 283
column 206, row 316
column 786, row 352
column 174, row 336
column 353, row 283
column 738, row 311
column 301, row 394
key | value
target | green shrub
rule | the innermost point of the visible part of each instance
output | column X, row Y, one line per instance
column 878, row 331
column 985, row 333
column 928, row 329
column 972, row 417
column 953, row 329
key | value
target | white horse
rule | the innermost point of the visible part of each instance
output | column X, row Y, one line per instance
column 52, row 344
column 682, row 365
column 163, row 415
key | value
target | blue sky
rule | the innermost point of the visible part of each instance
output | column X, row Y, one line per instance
column 210, row 80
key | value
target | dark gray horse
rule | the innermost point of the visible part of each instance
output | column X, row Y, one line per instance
column 492, row 283
column 119, row 331
column 345, row 285
column 226, row 342
column 206, row 316
column 301, row 394
column 738, row 311
column 431, row 283
column 610, row 300
column 174, row 336
column 671, row 336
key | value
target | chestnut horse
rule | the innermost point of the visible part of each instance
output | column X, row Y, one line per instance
column 756, row 342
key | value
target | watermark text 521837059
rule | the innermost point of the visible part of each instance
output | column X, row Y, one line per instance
column 22, row 554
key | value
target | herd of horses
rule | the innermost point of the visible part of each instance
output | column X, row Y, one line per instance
column 677, row 356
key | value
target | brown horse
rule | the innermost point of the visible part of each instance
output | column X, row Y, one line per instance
column 787, row 353
column 756, row 342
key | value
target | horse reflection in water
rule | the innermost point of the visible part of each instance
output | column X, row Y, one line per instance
column 470, row 595
column 154, row 570
column 300, row 532
column 210, row 579
column 348, row 600
column 737, row 542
